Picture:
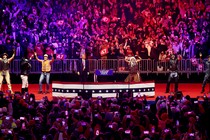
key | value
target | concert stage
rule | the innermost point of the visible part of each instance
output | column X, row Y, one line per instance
column 192, row 89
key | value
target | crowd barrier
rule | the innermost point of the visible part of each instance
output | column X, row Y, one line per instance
column 117, row 65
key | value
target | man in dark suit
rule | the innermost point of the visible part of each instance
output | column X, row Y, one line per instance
column 74, row 54
column 83, row 68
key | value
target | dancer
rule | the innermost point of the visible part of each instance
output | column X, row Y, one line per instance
column 46, row 68
column 206, row 77
column 4, row 72
column 25, row 67
column 133, row 69
column 173, row 67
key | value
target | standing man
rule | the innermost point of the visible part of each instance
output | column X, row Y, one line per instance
column 83, row 68
column 46, row 68
column 5, row 70
column 133, row 68
column 173, row 67
column 206, row 77
column 74, row 54
column 25, row 68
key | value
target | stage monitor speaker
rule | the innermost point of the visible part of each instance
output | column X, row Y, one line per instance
column 85, row 95
column 18, row 92
column 125, row 94
column 178, row 95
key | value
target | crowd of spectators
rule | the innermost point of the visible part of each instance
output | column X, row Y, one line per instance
column 105, row 28
column 168, row 118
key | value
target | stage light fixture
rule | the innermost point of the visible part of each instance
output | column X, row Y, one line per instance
column 120, row 90
column 55, row 89
column 79, row 90
column 107, row 91
column 113, row 90
column 93, row 91
column 133, row 90
column 126, row 90
column 67, row 90
column 86, row 91
column 73, row 90
column 139, row 89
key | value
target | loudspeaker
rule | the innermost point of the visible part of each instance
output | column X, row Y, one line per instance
column 18, row 92
column 85, row 95
column 178, row 95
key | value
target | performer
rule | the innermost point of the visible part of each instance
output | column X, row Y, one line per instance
column 83, row 68
column 206, row 77
column 173, row 67
column 133, row 67
column 25, row 67
column 5, row 70
column 46, row 68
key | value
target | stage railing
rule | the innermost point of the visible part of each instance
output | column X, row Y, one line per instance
column 118, row 65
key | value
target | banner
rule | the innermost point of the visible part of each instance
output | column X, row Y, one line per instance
column 103, row 72
column 103, row 89
column 59, row 56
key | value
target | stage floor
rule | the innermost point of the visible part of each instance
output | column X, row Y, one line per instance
column 192, row 89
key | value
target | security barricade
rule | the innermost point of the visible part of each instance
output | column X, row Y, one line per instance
column 117, row 65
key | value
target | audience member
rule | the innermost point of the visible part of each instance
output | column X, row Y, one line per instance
column 174, row 117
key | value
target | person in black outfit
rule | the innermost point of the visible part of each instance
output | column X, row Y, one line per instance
column 83, row 68
column 74, row 54
column 173, row 67
column 143, row 52
column 206, row 77
column 25, row 68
